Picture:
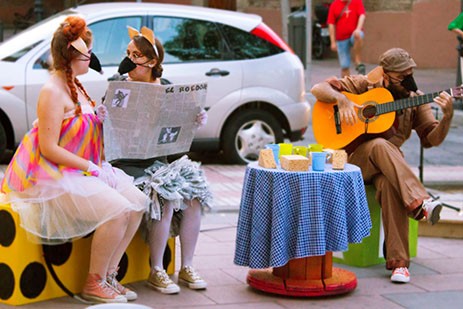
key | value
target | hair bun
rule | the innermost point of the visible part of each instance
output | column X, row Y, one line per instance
column 73, row 27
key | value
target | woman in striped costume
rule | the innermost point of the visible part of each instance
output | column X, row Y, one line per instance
column 57, row 180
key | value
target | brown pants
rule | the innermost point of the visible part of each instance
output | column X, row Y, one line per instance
column 398, row 191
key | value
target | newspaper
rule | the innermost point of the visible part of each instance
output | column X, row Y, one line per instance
column 148, row 120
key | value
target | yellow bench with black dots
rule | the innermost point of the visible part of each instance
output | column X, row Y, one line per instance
column 24, row 277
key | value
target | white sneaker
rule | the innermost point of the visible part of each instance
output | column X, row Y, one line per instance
column 400, row 275
column 432, row 209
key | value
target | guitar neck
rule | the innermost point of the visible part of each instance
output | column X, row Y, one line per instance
column 407, row 102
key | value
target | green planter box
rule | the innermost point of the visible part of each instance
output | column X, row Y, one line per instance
column 370, row 251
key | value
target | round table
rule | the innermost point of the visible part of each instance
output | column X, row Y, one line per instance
column 290, row 223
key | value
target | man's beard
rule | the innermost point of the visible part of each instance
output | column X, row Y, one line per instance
column 398, row 91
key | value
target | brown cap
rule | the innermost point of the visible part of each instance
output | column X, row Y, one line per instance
column 396, row 60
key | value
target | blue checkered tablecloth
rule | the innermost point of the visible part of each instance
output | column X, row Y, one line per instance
column 286, row 215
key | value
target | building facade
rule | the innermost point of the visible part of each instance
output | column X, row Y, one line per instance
column 419, row 26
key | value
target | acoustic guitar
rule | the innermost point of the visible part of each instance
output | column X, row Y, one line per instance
column 376, row 115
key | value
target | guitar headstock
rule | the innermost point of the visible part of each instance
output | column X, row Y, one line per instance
column 457, row 92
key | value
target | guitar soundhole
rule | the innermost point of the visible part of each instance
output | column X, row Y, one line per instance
column 369, row 111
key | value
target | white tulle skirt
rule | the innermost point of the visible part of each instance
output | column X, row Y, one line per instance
column 56, row 211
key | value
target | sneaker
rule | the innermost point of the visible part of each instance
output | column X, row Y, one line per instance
column 127, row 293
column 159, row 280
column 98, row 290
column 432, row 209
column 360, row 69
column 191, row 278
column 400, row 275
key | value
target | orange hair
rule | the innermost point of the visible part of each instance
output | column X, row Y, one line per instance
column 63, row 53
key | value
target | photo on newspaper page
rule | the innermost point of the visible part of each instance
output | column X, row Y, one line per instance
column 149, row 120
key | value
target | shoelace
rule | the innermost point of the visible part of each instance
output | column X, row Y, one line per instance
column 191, row 272
column 112, row 281
column 161, row 274
column 107, row 288
column 401, row 271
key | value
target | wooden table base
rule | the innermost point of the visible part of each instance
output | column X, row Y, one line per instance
column 305, row 277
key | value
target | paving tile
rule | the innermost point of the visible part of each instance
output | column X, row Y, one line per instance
column 443, row 266
column 260, row 305
column 431, row 300
column 348, row 301
column 224, row 235
column 209, row 248
column 366, row 272
column 236, row 294
column 219, row 277
column 381, row 285
column 424, row 252
column 149, row 297
column 238, row 272
column 444, row 282
column 445, row 246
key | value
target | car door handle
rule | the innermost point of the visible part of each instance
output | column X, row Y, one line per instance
column 216, row 71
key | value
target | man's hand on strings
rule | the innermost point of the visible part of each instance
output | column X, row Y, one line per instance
column 347, row 111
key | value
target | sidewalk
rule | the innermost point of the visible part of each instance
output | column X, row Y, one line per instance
column 437, row 275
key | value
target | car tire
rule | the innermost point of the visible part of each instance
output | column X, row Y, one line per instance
column 248, row 132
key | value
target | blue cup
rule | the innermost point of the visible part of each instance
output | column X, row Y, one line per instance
column 276, row 151
column 318, row 161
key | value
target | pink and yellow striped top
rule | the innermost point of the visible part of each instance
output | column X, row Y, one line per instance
column 81, row 135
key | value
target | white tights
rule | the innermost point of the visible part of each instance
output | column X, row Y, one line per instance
column 189, row 231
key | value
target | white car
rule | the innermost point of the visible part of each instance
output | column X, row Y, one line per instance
column 255, row 82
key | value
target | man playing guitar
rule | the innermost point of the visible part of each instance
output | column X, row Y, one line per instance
column 399, row 192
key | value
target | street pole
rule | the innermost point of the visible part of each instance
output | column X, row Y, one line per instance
column 284, row 7
column 308, row 36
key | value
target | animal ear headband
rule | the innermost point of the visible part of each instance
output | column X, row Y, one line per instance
column 80, row 45
column 145, row 32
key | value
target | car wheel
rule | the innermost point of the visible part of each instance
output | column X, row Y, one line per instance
column 247, row 133
column 3, row 144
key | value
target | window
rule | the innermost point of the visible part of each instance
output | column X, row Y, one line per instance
column 189, row 40
column 248, row 46
column 15, row 56
column 110, row 38
column 43, row 62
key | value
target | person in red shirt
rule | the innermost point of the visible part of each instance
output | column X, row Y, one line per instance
column 345, row 24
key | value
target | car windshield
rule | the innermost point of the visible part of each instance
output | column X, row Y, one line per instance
column 19, row 44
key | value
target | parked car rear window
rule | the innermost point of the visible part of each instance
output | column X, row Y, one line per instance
column 187, row 39
column 248, row 46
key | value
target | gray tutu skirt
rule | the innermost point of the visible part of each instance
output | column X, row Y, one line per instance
column 176, row 182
